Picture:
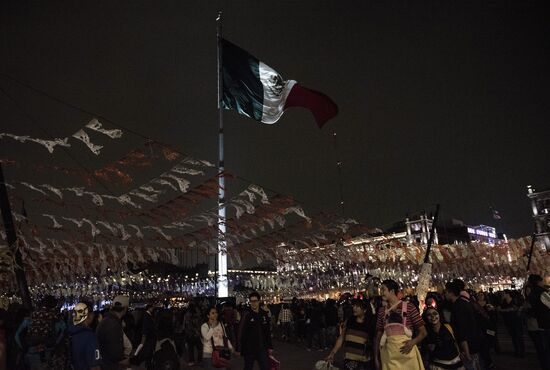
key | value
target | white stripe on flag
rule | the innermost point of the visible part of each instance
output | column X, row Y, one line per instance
column 276, row 91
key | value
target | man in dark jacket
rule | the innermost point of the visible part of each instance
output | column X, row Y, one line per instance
column 110, row 337
column 509, row 311
column 254, row 337
column 467, row 330
column 539, row 302
column 539, row 299
column 316, row 326
column 331, row 320
column 85, row 353
column 148, row 338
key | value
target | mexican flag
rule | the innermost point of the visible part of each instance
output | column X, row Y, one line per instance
column 256, row 90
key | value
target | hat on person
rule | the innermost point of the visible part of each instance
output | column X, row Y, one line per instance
column 81, row 313
column 121, row 301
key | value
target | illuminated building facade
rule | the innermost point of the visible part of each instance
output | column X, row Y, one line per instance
column 482, row 233
column 416, row 230
column 540, row 206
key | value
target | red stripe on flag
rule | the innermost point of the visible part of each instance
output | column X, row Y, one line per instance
column 320, row 105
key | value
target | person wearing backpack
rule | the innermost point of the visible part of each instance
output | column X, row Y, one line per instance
column 83, row 341
column 442, row 348
column 395, row 348
column 39, row 334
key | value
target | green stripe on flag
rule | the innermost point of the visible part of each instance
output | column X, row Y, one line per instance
column 242, row 88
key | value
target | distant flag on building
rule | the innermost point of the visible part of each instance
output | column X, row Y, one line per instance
column 496, row 214
column 255, row 90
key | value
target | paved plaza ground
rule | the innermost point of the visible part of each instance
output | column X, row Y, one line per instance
column 294, row 356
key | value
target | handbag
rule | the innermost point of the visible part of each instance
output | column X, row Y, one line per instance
column 221, row 355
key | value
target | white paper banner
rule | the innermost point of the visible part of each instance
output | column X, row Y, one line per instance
column 56, row 225
column 182, row 183
column 95, row 125
column 83, row 136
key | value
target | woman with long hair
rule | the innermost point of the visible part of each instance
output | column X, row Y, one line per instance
column 213, row 335
column 441, row 344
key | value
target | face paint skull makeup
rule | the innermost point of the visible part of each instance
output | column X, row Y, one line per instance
column 80, row 314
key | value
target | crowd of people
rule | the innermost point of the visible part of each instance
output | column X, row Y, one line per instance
column 453, row 330
column 154, row 336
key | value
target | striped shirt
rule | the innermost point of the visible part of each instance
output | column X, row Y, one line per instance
column 414, row 321
column 357, row 340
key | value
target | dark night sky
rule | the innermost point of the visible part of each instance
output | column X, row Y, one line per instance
column 439, row 102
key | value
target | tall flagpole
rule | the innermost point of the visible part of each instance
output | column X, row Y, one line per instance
column 11, row 239
column 222, row 283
